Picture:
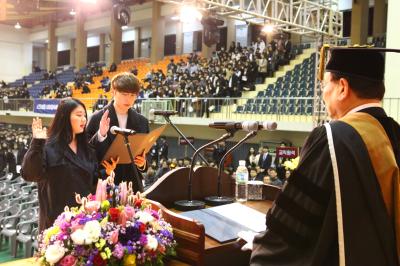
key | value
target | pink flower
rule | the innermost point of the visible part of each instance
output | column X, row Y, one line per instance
column 91, row 197
column 114, row 237
column 101, row 190
column 122, row 218
column 68, row 260
column 92, row 206
column 129, row 212
column 124, row 193
column 75, row 225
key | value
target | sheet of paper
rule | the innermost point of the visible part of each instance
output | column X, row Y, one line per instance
column 246, row 216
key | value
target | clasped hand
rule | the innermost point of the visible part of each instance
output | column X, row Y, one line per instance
column 247, row 236
column 110, row 166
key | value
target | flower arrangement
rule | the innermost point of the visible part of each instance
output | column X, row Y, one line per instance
column 113, row 227
column 292, row 163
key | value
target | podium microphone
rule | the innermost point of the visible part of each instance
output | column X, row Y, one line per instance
column 267, row 125
column 248, row 126
column 190, row 204
column 123, row 131
column 166, row 114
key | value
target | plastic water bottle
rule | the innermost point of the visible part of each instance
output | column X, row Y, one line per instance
column 242, row 177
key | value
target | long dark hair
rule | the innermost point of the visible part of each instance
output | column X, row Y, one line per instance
column 61, row 131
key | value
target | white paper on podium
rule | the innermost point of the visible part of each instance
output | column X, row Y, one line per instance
column 246, row 216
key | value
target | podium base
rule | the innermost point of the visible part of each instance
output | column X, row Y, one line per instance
column 216, row 201
column 189, row 205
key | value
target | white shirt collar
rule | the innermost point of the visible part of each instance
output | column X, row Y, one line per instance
column 364, row 106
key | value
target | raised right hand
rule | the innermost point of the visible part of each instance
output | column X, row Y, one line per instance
column 38, row 131
column 104, row 125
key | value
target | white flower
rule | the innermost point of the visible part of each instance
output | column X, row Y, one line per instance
column 54, row 253
column 152, row 243
column 68, row 216
column 79, row 237
column 144, row 217
column 92, row 230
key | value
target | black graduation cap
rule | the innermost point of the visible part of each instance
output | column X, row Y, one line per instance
column 357, row 61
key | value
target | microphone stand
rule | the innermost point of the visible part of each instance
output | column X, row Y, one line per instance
column 219, row 199
column 135, row 171
column 166, row 117
column 190, row 204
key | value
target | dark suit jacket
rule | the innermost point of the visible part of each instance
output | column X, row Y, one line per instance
column 288, row 49
column 137, row 122
column 60, row 174
column 265, row 164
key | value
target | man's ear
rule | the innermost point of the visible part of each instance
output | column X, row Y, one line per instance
column 344, row 89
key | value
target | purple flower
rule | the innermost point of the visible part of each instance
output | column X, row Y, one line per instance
column 131, row 233
column 64, row 226
column 166, row 233
column 130, row 249
column 118, row 251
column 84, row 220
column 79, row 251
column 143, row 240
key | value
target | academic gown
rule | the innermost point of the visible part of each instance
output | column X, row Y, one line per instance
column 60, row 173
column 302, row 224
column 137, row 122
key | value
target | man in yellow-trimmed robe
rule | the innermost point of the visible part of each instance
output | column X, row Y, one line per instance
column 302, row 225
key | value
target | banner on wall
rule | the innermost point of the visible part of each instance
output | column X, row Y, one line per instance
column 43, row 106
column 182, row 141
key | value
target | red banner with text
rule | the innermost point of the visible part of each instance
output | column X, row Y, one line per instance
column 287, row 152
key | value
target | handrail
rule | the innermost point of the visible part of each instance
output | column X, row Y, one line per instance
column 296, row 109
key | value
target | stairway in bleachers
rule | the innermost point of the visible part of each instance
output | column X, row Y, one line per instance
column 294, row 80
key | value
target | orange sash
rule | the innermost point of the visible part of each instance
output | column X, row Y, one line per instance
column 383, row 161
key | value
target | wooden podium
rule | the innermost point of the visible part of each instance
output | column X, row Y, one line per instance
column 194, row 247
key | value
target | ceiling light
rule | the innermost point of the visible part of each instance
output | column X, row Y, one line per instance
column 17, row 26
column 189, row 14
column 268, row 28
column 72, row 12
column 175, row 16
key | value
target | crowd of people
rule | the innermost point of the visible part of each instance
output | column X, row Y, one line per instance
column 227, row 73
column 7, row 92
column 262, row 165
column 84, row 78
column 14, row 141
column 56, row 91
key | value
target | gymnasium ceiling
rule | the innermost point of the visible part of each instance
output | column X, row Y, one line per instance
column 30, row 13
